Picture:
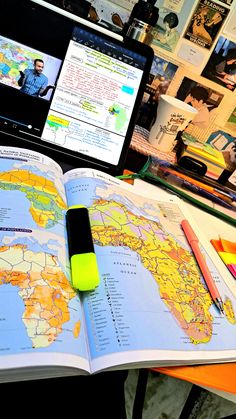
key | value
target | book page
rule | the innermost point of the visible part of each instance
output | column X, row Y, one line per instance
column 39, row 310
column 152, row 304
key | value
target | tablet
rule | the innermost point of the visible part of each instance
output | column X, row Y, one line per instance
column 68, row 86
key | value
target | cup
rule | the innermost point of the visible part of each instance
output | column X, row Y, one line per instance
column 173, row 115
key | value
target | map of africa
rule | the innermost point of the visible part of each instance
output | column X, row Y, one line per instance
column 33, row 265
column 143, row 243
column 151, row 294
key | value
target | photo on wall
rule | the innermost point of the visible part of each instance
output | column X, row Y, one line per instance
column 202, row 98
column 228, row 2
column 221, row 140
column 171, row 22
column 231, row 123
column 205, row 23
column 160, row 77
column 221, row 66
column 230, row 26
column 109, row 14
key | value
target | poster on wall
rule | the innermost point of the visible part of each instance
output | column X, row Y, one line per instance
column 161, row 75
column 202, row 98
column 231, row 123
column 221, row 66
column 111, row 16
column 127, row 4
column 173, row 16
column 228, row 2
column 230, row 26
column 205, row 23
column 221, row 140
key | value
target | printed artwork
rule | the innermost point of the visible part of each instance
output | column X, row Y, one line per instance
column 111, row 16
column 205, row 23
column 231, row 123
column 202, row 98
column 161, row 75
column 221, row 67
column 228, row 2
column 230, row 25
column 221, row 140
column 171, row 23
column 126, row 4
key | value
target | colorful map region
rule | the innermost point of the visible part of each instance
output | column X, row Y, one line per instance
column 120, row 116
column 14, row 57
column 44, row 289
column 172, row 266
column 152, row 295
column 39, row 309
column 46, row 203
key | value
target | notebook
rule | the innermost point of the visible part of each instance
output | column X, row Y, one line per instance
column 68, row 86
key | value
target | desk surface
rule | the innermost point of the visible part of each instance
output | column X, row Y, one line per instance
column 214, row 227
column 220, row 377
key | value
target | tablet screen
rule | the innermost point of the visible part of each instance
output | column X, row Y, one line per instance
column 69, row 87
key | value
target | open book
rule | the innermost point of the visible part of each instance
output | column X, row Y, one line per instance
column 151, row 307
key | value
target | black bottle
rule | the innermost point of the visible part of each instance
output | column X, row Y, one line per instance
column 142, row 19
column 147, row 113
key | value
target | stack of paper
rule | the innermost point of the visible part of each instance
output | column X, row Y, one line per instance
column 211, row 157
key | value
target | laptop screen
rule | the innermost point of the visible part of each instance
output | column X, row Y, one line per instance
column 68, row 86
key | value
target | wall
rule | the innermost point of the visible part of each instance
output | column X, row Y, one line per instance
column 189, row 56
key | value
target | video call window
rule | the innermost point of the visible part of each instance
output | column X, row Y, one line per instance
column 28, row 70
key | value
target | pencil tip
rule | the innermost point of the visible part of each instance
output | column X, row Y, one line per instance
column 220, row 305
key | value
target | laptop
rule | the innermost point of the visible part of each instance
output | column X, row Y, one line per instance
column 69, row 88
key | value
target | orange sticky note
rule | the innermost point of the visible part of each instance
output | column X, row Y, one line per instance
column 217, row 245
column 228, row 246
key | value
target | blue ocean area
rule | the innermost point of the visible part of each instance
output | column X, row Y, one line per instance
column 148, row 320
column 33, row 245
column 12, row 329
column 6, row 165
column 18, row 210
column 141, row 303
column 82, row 191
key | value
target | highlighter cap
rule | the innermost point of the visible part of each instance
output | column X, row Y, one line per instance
column 84, row 271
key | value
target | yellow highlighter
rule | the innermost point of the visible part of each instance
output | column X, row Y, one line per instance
column 84, row 268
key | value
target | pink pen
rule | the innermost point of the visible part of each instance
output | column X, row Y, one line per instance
column 194, row 244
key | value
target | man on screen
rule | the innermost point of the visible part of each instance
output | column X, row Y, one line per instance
column 33, row 81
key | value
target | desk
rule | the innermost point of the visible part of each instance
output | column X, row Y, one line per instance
column 212, row 227
column 156, row 191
